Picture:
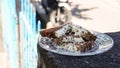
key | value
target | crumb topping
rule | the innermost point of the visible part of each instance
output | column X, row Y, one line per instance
column 71, row 37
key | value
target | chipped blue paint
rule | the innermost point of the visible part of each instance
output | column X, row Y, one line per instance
column 9, row 31
column 27, row 20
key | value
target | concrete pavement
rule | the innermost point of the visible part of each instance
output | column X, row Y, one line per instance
column 98, row 15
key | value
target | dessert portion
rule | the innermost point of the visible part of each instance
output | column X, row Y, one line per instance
column 70, row 37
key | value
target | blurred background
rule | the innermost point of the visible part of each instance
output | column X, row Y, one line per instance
column 102, row 16
column 98, row 15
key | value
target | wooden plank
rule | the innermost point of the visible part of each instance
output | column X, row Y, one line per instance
column 1, row 42
column 18, row 9
column 3, row 54
column 3, row 60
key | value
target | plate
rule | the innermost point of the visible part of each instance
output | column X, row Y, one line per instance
column 102, row 44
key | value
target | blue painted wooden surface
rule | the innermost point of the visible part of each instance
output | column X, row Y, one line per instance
column 28, row 37
column 9, row 31
column 28, row 46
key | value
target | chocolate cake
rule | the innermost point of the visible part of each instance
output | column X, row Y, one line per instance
column 70, row 37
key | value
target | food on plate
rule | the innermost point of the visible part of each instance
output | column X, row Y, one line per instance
column 70, row 37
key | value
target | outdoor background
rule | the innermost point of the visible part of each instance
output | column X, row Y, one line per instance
column 99, row 15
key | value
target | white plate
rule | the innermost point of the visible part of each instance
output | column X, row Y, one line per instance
column 102, row 44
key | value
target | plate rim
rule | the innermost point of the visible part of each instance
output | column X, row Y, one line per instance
column 83, row 54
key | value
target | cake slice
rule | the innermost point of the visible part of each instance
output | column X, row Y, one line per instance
column 70, row 37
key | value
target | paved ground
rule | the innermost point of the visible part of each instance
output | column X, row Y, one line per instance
column 98, row 15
